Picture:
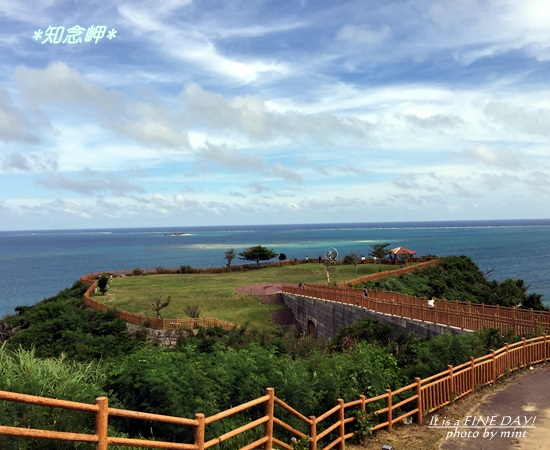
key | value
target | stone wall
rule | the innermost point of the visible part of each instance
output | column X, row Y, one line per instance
column 324, row 318
column 164, row 338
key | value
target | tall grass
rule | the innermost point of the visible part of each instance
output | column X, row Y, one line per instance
column 21, row 371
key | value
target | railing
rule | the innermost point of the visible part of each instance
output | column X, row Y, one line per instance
column 329, row 430
column 463, row 315
column 153, row 322
column 419, row 263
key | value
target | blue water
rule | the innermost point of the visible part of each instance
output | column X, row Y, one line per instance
column 38, row 264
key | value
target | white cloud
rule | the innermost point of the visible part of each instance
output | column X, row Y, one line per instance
column 60, row 84
column 373, row 110
column 195, row 47
column 530, row 121
column 14, row 124
column 232, row 159
column 493, row 157
column 29, row 162
column 90, row 182
column 363, row 36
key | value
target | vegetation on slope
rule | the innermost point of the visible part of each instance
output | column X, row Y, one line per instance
column 459, row 278
column 63, row 325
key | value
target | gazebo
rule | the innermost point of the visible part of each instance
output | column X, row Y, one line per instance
column 401, row 253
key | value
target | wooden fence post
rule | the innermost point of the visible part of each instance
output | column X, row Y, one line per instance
column 313, row 433
column 524, row 351
column 390, row 412
column 419, row 413
column 451, row 382
column 199, row 431
column 545, row 350
column 269, row 412
column 482, row 317
column 472, row 374
column 102, row 423
column 342, row 427
column 494, row 367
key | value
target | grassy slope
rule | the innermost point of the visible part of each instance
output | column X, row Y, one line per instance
column 215, row 293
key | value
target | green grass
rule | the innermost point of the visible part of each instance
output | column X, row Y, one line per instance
column 215, row 294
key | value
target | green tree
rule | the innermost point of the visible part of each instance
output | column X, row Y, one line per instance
column 282, row 257
column 230, row 256
column 257, row 253
column 379, row 251
column 159, row 302
column 353, row 258
column 103, row 283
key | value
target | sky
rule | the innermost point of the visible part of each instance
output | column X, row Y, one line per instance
column 149, row 113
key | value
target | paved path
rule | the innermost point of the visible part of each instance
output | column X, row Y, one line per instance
column 526, row 401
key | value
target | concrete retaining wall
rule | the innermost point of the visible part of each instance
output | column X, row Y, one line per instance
column 324, row 318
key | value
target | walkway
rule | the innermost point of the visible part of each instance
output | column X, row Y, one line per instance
column 524, row 404
column 461, row 315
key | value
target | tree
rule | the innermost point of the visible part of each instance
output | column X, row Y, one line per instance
column 159, row 302
column 102, row 283
column 230, row 256
column 353, row 258
column 282, row 257
column 379, row 251
column 257, row 253
column 6, row 330
column 331, row 256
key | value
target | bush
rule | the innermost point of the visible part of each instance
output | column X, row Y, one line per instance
column 65, row 325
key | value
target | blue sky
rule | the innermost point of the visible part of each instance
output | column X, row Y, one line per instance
column 258, row 112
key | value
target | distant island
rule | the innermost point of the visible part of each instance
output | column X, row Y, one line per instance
column 178, row 233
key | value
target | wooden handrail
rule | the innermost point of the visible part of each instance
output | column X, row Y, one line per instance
column 462, row 315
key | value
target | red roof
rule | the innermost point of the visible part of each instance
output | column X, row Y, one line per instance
column 402, row 251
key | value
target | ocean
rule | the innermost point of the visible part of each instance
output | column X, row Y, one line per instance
column 38, row 264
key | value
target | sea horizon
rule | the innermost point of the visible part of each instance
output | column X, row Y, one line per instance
column 456, row 223
column 54, row 259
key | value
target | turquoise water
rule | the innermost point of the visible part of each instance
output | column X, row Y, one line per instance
column 38, row 264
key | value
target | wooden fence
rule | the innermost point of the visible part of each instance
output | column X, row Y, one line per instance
column 463, row 315
column 329, row 430
column 417, row 263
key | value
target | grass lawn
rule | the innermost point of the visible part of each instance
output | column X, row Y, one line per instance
column 215, row 293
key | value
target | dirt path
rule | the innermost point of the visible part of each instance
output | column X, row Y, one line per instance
column 260, row 288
